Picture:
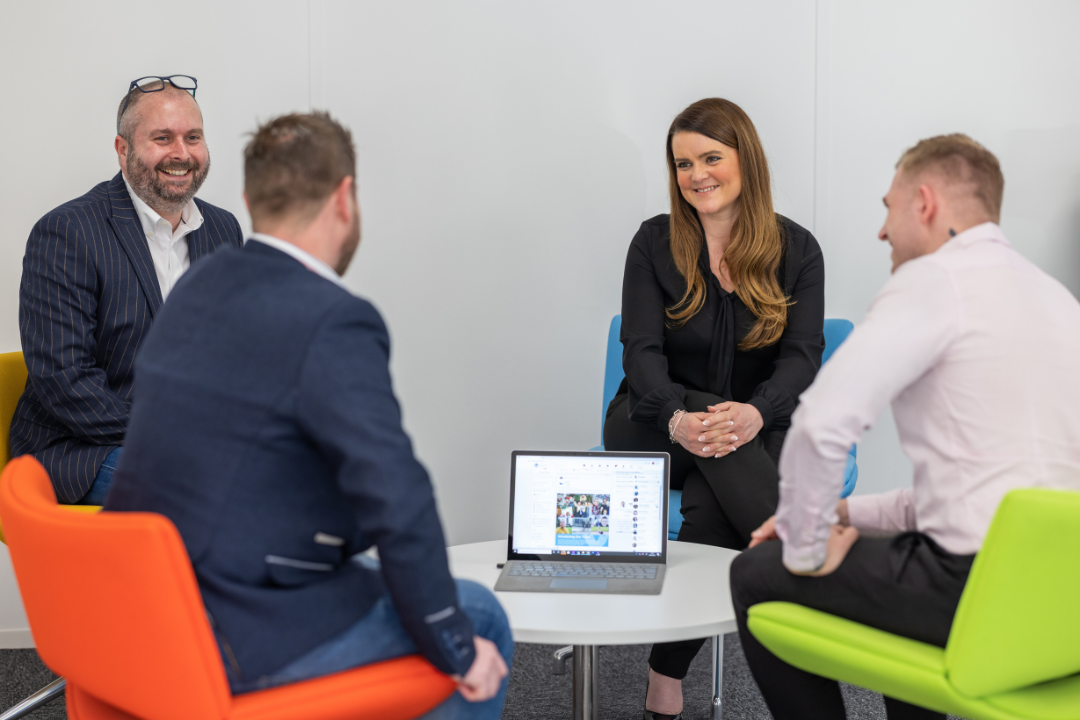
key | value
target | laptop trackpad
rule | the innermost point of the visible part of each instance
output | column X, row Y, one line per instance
column 577, row 584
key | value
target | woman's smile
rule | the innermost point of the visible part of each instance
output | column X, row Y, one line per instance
column 707, row 172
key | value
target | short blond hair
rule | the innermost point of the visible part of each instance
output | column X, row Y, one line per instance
column 961, row 161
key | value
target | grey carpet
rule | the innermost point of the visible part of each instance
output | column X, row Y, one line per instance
column 22, row 674
column 535, row 693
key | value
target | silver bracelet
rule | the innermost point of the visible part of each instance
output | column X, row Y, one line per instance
column 674, row 423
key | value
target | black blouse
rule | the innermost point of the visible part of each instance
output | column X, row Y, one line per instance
column 661, row 362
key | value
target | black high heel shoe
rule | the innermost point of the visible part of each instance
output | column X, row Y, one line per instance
column 649, row 714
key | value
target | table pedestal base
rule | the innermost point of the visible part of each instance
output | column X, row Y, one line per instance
column 587, row 678
column 586, row 682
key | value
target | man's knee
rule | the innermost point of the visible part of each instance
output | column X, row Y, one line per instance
column 487, row 614
column 753, row 575
column 472, row 596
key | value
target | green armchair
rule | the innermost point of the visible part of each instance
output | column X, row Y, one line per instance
column 1014, row 648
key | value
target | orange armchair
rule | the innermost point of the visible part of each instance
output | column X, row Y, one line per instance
column 137, row 645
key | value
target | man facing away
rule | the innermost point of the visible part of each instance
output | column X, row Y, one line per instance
column 95, row 274
column 265, row 427
column 975, row 348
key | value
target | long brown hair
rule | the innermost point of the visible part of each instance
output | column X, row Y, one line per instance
column 757, row 237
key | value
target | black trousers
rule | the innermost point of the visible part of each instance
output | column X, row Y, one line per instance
column 723, row 499
column 907, row 585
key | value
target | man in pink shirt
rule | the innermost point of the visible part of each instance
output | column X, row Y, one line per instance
column 975, row 348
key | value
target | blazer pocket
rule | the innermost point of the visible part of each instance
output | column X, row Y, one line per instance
column 289, row 572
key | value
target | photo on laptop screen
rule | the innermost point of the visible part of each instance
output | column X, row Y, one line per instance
column 610, row 505
column 582, row 520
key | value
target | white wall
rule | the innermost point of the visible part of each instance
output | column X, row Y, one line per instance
column 508, row 153
column 509, row 150
column 66, row 66
column 1005, row 73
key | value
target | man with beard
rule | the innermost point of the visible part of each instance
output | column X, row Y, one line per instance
column 95, row 274
column 265, row 427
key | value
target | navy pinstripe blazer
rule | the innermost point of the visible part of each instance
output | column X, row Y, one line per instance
column 88, row 295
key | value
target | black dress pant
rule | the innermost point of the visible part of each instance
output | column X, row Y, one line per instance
column 907, row 585
column 723, row 499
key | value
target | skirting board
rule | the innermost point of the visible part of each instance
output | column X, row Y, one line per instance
column 16, row 639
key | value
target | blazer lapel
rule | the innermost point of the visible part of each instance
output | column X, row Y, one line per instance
column 128, row 229
column 199, row 241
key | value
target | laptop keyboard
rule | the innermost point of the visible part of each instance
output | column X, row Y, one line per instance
column 622, row 571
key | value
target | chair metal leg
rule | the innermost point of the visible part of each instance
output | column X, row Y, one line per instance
column 717, row 710
column 559, row 659
column 42, row 696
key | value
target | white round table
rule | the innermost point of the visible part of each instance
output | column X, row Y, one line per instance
column 695, row 602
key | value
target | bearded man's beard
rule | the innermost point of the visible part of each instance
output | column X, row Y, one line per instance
column 156, row 192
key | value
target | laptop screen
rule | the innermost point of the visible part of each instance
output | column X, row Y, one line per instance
column 589, row 505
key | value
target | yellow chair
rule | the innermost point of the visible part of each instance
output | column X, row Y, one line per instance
column 12, row 384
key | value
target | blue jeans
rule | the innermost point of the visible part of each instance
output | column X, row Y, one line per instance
column 379, row 635
column 100, row 488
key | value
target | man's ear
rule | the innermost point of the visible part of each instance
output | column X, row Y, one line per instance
column 928, row 203
column 121, row 146
column 342, row 198
column 246, row 203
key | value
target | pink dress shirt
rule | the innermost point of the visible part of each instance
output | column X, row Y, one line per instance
column 977, row 350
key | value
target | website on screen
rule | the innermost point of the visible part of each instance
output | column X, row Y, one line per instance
column 579, row 505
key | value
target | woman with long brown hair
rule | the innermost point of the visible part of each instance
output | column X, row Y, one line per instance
column 722, row 313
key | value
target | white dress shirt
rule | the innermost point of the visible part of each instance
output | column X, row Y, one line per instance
column 305, row 258
column 168, row 249
column 977, row 350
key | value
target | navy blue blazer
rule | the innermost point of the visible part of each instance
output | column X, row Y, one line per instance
column 265, row 427
column 88, row 295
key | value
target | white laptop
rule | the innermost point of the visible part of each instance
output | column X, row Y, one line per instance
column 587, row 522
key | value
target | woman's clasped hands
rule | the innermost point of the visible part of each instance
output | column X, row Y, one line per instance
column 720, row 431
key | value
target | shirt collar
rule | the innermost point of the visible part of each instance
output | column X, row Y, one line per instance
column 305, row 258
column 191, row 218
column 990, row 231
